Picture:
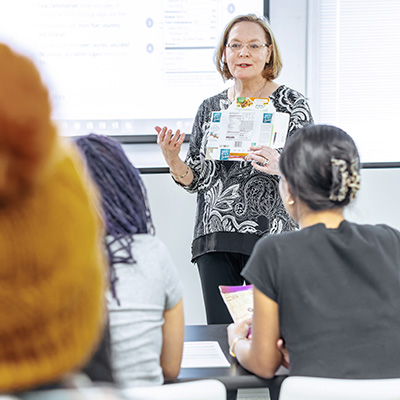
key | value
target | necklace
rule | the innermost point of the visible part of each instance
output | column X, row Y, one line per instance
column 257, row 94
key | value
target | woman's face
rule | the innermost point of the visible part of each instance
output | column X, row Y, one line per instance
column 246, row 64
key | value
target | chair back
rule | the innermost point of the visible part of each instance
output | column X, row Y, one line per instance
column 309, row 388
column 206, row 389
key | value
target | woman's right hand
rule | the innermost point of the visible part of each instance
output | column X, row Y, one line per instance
column 169, row 143
column 284, row 351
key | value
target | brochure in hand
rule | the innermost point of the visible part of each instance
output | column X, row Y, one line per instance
column 247, row 122
column 239, row 300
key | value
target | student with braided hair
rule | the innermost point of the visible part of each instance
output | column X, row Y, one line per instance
column 145, row 297
column 331, row 290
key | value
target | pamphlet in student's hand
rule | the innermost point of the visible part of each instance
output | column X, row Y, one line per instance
column 239, row 300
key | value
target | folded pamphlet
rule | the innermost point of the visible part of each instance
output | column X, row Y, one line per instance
column 239, row 300
column 247, row 122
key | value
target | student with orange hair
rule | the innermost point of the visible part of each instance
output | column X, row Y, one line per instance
column 52, row 263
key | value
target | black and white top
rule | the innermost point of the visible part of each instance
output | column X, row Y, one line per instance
column 338, row 292
column 236, row 204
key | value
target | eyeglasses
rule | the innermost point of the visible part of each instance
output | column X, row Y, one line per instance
column 252, row 47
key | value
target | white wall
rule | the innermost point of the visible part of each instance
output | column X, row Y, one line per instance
column 288, row 20
column 377, row 201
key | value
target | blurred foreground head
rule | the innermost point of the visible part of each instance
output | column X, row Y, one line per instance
column 52, row 266
column 26, row 131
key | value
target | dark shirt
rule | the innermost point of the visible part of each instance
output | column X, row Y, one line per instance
column 338, row 292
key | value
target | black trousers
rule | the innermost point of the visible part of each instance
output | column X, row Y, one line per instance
column 219, row 269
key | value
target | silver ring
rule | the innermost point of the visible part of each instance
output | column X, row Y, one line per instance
column 266, row 162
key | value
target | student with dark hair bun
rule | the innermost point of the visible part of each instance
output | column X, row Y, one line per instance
column 145, row 296
column 324, row 173
column 326, row 297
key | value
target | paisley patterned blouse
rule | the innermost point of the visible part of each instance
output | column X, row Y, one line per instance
column 236, row 204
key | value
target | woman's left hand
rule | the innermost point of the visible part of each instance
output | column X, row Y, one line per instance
column 264, row 159
column 240, row 329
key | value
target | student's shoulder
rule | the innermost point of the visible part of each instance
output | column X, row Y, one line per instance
column 150, row 243
column 380, row 230
column 381, row 235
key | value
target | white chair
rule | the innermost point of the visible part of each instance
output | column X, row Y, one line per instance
column 308, row 388
column 206, row 389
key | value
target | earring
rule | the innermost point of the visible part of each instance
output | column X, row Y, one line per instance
column 290, row 202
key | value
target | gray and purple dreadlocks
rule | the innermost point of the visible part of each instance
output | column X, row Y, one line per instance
column 124, row 197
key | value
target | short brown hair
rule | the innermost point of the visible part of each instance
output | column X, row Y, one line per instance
column 271, row 70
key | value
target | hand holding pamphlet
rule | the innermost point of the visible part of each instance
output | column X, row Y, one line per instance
column 247, row 122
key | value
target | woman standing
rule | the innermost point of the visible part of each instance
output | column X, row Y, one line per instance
column 237, row 201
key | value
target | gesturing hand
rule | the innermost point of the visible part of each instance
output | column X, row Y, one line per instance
column 169, row 143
